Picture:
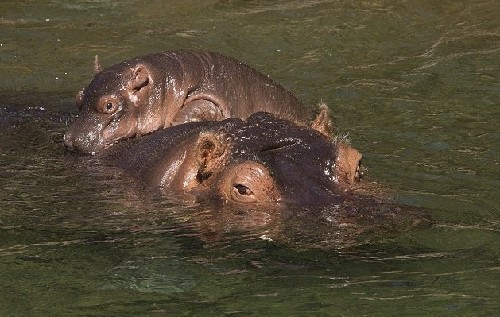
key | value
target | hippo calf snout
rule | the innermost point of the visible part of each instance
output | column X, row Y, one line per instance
column 90, row 142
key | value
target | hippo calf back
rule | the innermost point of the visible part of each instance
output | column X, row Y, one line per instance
column 152, row 92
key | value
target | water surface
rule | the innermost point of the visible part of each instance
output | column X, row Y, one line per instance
column 414, row 84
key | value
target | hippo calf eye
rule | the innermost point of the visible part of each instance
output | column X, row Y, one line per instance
column 243, row 190
column 108, row 105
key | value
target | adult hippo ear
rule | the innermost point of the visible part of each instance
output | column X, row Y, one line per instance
column 348, row 159
column 211, row 150
column 190, row 164
column 139, row 85
column 323, row 122
column 347, row 163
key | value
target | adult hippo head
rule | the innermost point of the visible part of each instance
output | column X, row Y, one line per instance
column 261, row 160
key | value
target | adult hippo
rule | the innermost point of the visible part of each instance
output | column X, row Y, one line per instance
column 152, row 92
column 263, row 159
column 296, row 183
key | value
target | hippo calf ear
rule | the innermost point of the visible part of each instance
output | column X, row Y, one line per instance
column 211, row 150
column 323, row 123
column 347, row 163
column 140, row 79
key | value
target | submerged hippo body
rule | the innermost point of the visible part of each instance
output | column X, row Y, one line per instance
column 261, row 160
column 295, row 181
column 152, row 92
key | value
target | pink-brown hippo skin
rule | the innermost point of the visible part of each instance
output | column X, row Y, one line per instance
column 152, row 92
column 261, row 160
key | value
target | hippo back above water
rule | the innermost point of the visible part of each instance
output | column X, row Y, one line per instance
column 152, row 92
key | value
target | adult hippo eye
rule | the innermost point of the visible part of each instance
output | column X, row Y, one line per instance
column 248, row 182
column 109, row 107
column 243, row 190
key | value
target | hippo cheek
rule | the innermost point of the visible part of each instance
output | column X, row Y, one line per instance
column 176, row 174
column 190, row 165
column 120, row 127
column 248, row 183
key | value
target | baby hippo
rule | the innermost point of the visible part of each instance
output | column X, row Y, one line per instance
column 263, row 159
column 152, row 92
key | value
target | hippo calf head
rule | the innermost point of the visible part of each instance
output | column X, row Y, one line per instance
column 261, row 160
column 112, row 107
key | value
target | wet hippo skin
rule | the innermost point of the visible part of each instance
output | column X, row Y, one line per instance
column 152, row 92
column 260, row 160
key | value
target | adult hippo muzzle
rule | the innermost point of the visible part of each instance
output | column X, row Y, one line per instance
column 152, row 92
column 260, row 160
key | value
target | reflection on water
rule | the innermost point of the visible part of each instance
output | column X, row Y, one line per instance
column 414, row 84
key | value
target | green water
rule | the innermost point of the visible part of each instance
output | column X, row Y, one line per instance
column 415, row 84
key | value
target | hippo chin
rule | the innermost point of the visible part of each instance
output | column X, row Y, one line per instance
column 262, row 160
column 152, row 92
